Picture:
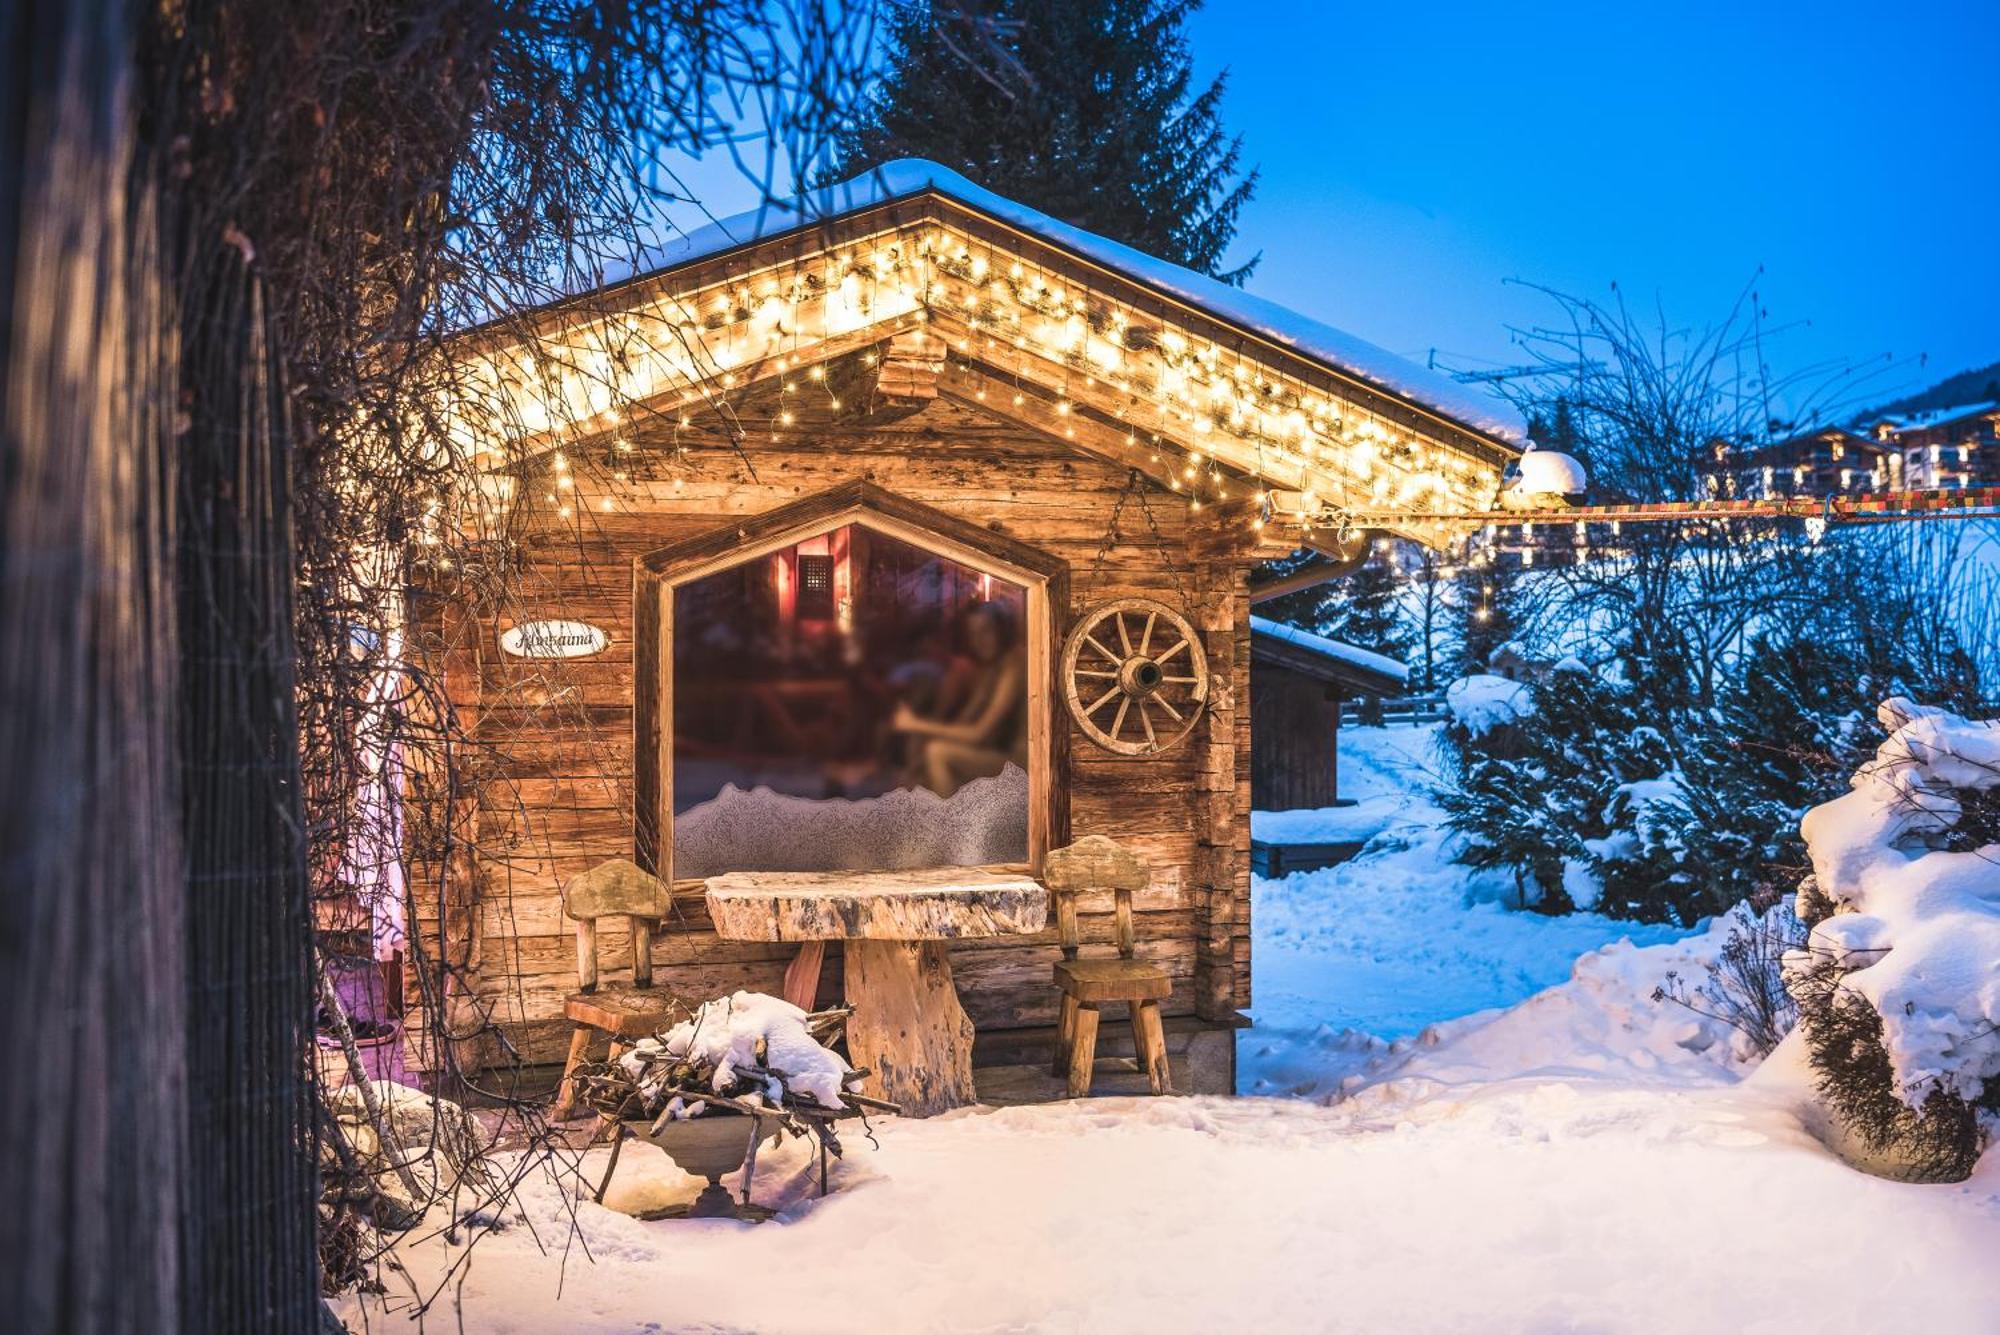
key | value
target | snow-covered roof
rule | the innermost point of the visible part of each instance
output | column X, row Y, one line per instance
column 907, row 177
column 1931, row 417
column 1334, row 650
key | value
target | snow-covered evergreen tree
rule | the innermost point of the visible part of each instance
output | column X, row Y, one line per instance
column 1367, row 609
column 1564, row 792
column 1898, row 1009
column 1084, row 109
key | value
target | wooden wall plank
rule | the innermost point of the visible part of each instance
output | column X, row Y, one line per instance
column 558, row 776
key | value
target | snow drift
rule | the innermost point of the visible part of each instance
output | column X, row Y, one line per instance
column 1898, row 985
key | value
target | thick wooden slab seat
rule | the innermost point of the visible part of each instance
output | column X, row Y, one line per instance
column 623, row 1012
column 613, row 888
column 1113, row 980
column 1093, row 865
column 926, row 904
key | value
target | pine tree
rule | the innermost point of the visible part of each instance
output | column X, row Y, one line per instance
column 1311, row 608
column 1431, row 617
column 1487, row 603
column 1552, row 426
column 1368, row 612
column 1080, row 108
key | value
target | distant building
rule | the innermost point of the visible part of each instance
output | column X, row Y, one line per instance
column 1831, row 461
column 1945, row 448
column 1299, row 681
column 1949, row 448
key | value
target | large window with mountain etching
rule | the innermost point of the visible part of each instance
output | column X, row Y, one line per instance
column 852, row 700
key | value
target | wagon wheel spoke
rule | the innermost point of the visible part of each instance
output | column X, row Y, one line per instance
column 1179, row 645
column 1094, row 672
column 1118, row 720
column 1172, row 713
column 1146, row 722
column 1146, row 635
column 1098, row 703
column 1092, row 641
column 1124, row 635
column 1183, row 681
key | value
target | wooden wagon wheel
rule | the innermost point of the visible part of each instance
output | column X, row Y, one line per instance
column 1134, row 676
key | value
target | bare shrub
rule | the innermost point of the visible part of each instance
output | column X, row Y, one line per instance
column 1745, row 986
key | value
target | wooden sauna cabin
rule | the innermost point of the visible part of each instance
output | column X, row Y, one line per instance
column 746, row 516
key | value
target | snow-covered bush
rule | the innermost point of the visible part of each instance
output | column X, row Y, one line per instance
column 1898, row 985
column 1568, row 787
column 1621, row 791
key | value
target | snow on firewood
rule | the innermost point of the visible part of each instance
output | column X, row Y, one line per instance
column 748, row 1037
column 1917, row 909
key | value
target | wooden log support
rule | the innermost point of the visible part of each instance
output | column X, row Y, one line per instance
column 912, row 1032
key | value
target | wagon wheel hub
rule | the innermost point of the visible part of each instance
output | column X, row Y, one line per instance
column 1140, row 677
column 1134, row 676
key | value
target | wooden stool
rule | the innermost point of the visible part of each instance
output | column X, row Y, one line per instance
column 616, row 888
column 1096, row 863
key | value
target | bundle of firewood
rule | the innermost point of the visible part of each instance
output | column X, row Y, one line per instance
column 719, row 1061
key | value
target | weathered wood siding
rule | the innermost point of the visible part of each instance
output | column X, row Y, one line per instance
column 555, row 788
column 1293, row 737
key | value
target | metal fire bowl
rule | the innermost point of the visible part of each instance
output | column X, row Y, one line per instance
column 712, row 1146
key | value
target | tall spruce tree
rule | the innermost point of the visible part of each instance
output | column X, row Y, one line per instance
column 1080, row 108
column 1369, row 614
column 1487, row 603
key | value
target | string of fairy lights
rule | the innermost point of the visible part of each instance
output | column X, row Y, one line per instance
column 1219, row 421
column 578, row 417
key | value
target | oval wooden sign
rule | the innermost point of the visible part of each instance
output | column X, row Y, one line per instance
column 553, row 639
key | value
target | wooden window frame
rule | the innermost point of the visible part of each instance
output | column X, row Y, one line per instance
column 657, row 575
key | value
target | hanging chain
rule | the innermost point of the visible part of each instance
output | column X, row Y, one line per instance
column 1135, row 485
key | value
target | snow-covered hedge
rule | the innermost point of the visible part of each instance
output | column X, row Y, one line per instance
column 1481, row 702
column 1572, row 786
column 1899, row 983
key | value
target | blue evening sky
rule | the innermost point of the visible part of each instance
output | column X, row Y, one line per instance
column 1418, row 155
column 1415, row 155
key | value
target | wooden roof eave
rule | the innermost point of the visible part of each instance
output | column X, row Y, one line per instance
column 930, row 207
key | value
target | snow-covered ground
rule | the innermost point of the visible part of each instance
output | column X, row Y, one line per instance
column 1512, row 1138
column 1354, row 957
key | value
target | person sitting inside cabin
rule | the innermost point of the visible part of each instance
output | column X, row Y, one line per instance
column 989, row 729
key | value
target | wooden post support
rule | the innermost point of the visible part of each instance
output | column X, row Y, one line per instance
column 642, row 952
column 912, row 1034
column 1149, row 1040
column 586, row 954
